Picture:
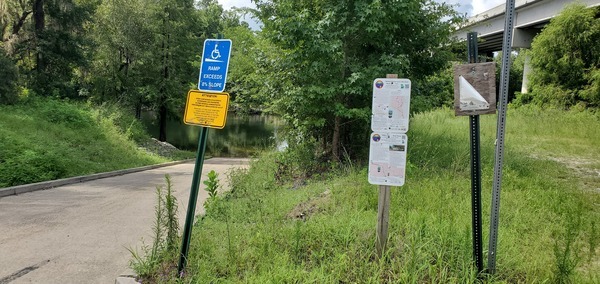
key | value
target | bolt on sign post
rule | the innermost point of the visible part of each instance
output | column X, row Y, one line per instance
column 475, row 94
column 207, row 108
column 388, row 145
column 500, row 131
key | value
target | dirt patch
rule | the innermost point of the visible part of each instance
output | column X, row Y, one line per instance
column 310, row 207
column 585, row 168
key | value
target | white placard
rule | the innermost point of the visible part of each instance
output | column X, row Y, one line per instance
column 470, row 99
column 387, row 158
column 391, row 105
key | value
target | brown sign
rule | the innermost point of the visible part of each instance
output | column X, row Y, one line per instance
column 475, row 89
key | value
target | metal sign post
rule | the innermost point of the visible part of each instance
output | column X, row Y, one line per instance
column 189, row 217
column 207, row 109
column 474, row 95
column 497, row 183
column 475, row 168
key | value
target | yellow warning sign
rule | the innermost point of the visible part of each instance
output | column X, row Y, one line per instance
column 206, row 109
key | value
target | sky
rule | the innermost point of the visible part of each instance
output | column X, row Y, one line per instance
column 470, row 7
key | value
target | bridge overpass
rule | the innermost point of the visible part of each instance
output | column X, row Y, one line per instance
column 530, row 17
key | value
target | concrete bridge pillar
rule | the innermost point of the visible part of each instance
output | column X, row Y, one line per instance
column 522, row 38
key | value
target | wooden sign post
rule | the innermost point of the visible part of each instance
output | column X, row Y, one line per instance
column 390, row 115
column 383, row 209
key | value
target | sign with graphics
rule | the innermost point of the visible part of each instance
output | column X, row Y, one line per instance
column 387, row 158
column 215, row 61
column 475, row 89
column 389, row 122
column 391, row 103
column 206, row 109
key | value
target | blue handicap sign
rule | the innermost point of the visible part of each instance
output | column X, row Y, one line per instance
column 215, row 61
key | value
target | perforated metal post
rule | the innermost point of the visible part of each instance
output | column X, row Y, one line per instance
column 475, row 167
column 501, row 127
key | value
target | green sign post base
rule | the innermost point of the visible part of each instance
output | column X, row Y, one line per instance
column 189, row 218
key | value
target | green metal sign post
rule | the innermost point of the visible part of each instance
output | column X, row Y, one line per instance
column 475, row 168
column 191, row 210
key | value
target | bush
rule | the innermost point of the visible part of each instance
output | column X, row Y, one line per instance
column 548, row 96
column 30, row 167
column 434, row 91
column 565, row 58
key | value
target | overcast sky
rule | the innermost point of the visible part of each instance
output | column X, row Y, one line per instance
column 470, row 7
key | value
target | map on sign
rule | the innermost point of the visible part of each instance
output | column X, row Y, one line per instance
column 215, row 61
column 206, row 109
column 387, row 158
column 391, row 105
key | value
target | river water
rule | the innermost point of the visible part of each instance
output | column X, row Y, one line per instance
column 243, row 136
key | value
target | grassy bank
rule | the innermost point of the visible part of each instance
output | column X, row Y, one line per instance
column 44, row 139
column 324, row 232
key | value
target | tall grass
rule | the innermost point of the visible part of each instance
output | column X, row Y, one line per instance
column 158, row 261
column 45, row 139
column 548, row 221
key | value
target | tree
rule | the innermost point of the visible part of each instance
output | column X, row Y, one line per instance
column 181, row 29
column 565, row 58
column 46, row 39
column 148, row 52
column 332, row 51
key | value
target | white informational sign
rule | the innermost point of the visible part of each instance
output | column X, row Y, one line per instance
column 387, row 158
column 391, row 104
column 470, row 99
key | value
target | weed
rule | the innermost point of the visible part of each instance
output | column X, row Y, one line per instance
column 212, row 184
column 545, row 227
column 566, row 251
column 159, row 260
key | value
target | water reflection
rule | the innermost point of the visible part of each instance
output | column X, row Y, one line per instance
column 242, row 136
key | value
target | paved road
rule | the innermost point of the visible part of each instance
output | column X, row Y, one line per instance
column 80, row 233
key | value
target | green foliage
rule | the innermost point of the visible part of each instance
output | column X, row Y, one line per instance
column 8, row 79
column 212, row 184
column 299, row 161
column 163, row 253
column 328, row 52
column 325, row 232
column 147, row 53
column 434, row 91
column 515, row 81
column 47, row 41
column 566, row 58
column 45, row 139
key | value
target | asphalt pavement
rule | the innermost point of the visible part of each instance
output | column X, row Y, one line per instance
column 81, row 233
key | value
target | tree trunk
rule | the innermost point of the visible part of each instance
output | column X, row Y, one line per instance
column 162, row 136
column 19, row 23
column 162, row 116
column 335, row 147
column 138, row 109
column 39, row 18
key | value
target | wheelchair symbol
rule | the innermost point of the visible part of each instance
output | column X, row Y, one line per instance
column 215, row 54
